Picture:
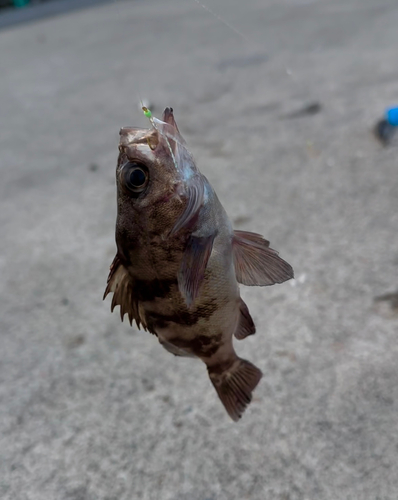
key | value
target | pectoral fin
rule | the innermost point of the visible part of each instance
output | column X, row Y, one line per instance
column 193, row 266
column 256, row 263
column 119, row 283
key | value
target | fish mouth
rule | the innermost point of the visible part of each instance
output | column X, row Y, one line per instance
column 133, row 135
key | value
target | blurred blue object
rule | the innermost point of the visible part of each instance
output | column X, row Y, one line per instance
column 392, row 116
column 20, row 3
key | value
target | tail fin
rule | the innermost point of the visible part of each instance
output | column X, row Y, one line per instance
column 234, row 386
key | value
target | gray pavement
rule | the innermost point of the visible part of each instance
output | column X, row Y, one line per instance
column 93, row 409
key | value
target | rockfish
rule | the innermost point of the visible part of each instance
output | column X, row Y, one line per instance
column 179, row 261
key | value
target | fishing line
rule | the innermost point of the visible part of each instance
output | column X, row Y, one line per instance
column 148, row 114
column 223, row 21
column 249, row 41
column 140, row 101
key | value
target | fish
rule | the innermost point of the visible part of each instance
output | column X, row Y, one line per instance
column 179, row 262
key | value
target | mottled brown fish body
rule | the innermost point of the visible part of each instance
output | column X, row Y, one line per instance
column 178, row 260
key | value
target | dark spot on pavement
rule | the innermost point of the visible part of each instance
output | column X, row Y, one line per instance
column 148, row 384
column 75, row 341
column 310, row 109
column 384, row 132
column 386, row 305
column 390, row 297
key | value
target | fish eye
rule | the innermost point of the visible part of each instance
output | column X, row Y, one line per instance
column 134, row 177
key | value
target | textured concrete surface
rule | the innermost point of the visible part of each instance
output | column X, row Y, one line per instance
column 92, row 409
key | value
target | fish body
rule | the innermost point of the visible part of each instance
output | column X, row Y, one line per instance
column 179, row 261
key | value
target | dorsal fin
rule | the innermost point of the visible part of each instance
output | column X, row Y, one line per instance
column 119, row 283
column 257, row 264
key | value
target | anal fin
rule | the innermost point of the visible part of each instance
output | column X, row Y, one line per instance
column 255, row 263
column 246, row 325
column 234, row 386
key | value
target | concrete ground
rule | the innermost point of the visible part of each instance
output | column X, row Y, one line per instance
column 91, row 409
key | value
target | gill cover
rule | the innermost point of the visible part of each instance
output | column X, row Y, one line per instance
column 191, row 187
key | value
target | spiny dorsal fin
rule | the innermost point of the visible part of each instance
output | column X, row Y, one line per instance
column 255, row 263
column 119, row 283
column 193, row 266
column 246, row 325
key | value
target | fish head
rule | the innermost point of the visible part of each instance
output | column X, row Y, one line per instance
column 159, row 188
